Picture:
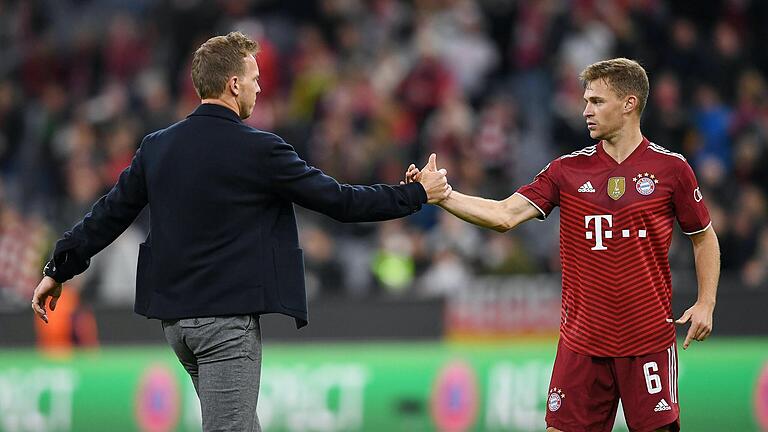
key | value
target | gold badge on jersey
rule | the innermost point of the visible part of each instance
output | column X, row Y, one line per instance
column 616, row 187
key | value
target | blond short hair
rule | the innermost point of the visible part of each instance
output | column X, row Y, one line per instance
column 218, row 59
column 622, row 75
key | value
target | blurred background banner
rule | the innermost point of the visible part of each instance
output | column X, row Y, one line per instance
column 359, row 387
column 361, row 89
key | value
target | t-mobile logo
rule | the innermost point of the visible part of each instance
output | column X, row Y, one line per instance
column 599, row 233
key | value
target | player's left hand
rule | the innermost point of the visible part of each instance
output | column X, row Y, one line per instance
column 700, row 316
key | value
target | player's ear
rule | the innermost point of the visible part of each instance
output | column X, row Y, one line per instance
column 630, row 103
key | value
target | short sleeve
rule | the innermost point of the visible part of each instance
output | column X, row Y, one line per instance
column 544, row 192
column 690, row 210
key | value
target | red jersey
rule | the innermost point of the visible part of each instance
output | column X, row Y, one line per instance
column 615, row 230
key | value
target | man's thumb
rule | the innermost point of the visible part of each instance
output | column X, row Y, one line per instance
column 432, row 164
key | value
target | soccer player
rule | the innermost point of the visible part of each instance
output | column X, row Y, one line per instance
column 618, row 200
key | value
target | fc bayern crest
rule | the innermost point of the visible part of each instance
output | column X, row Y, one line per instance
column 555, row 400
column 645, row 183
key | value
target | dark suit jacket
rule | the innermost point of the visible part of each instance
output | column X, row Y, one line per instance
column 223, row 237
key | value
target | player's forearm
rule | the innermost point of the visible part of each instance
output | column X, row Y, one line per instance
column 706, row 251
column 483, row 212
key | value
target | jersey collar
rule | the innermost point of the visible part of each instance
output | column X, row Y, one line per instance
column 634, row 155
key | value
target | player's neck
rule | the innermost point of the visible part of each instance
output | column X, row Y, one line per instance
column 621, row 145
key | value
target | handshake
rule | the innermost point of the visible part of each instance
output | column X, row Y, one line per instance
column 433, row 180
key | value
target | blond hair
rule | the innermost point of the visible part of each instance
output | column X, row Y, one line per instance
column 217, row 60
column 622, row 75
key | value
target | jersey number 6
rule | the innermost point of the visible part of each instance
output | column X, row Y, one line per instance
column 652, row 380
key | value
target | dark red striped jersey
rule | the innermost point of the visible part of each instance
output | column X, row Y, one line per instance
column 615, row 229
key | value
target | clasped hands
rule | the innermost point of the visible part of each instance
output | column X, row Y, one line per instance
column 433, row 180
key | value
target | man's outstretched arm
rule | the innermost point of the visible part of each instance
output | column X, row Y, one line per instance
column 706, row 252
column 501, row 216
column 309, row 187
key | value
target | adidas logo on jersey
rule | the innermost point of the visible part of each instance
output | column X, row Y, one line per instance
column 587, row 187
column 662, row 406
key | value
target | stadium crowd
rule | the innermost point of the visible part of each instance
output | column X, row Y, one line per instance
column 363, row 88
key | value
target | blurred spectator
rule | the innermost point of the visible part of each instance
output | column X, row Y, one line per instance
column 728, row 61
column 119, row 150
column 125, row 50
column 11, row 127
column 448, row 275
column 393, row 265
column 588, row 39
column 22, row 242
column 464, row 240
column 755, row 273
column 427, row 84
column 712, row 121
column 111, row 278
column 75, row 327
column 324, row 273
column 666, row 121
column 448, row 130
column 566, row 110
column 156, row 101
column 506, row 255
column 314, row 73
column 685, row 55
column 464, row 46
column 530, row 31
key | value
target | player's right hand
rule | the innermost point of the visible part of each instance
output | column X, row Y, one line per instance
column 434, row 181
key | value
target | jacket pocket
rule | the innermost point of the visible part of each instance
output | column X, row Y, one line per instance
column 143, row 277
column 289, row 270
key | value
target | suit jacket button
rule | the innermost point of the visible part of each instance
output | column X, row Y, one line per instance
column 196, row 321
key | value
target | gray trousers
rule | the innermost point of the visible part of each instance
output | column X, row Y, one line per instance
column 223, row 357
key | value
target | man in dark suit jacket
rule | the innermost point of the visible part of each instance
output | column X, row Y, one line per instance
column 223, row 245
